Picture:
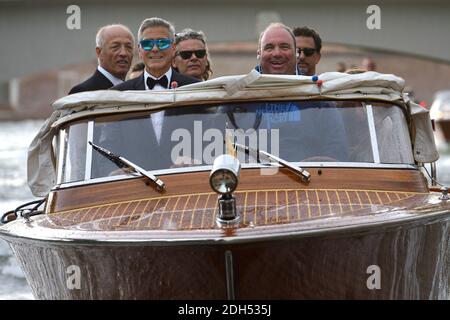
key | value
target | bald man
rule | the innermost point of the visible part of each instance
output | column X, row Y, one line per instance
column 114, row 50
column 276, row 50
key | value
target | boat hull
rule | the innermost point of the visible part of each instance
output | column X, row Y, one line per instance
column 348, row 234
column 397, row 261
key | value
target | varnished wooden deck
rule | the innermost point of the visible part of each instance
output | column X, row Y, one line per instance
column 257, row 208
column 260, row 200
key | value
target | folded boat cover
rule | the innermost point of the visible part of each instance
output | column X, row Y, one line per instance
column 251, row 87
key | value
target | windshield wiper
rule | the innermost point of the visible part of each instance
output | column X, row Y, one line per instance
column 303, row 174
column 121, row 162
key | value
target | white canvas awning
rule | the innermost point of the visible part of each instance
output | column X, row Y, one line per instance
column 253, row 86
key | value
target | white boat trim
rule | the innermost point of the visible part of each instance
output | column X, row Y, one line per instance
column 373, row 134
column 89, row 137
column 62, row 151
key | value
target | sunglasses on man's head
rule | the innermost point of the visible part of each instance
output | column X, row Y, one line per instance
column 307, row 51
column 187, row 54
column 161, row 44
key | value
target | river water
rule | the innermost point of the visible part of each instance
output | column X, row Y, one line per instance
column 15, row 138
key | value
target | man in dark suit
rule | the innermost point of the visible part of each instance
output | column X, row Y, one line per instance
column 156, row 49
column 148, row 141
column 114, row 49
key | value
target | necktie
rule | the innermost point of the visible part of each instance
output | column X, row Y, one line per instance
column 161, row 81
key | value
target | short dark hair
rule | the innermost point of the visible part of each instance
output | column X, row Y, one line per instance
column 308, row 32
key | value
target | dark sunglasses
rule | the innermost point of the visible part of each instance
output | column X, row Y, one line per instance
column 162, row 44
column 307, row 51
column 188, row 53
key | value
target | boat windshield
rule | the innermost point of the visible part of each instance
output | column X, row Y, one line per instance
column 296, row 131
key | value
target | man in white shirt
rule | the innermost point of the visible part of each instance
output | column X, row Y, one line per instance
column 114, row 49
column 147, row 141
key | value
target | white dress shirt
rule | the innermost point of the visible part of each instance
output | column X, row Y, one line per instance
column 115, row 81
column 168, row 74
column 158, row 117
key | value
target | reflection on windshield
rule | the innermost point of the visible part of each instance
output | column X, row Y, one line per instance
column 394, row 144
column 73, row 168
column 294, row 131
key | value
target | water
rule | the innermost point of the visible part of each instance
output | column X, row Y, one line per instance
column 15, row 138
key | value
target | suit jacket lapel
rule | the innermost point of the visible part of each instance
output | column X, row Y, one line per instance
column 101, row 80
column 175, row 77
column 139, row 83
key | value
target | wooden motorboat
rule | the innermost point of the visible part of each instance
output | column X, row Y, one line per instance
column 330, row 202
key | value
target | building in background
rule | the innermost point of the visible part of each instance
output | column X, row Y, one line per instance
column 41, row 66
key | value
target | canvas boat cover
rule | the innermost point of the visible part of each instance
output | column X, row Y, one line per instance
column 253, row 86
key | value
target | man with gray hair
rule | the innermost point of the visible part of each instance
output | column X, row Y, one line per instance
column 114, row 49
column 191, row 56
column 156, row 49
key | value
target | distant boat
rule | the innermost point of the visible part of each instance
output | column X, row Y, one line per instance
column 253, row 187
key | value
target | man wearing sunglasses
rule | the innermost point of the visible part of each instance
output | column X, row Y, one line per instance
column 308, row 44
column 156, row 49
column 114, row 49
column 191, row 56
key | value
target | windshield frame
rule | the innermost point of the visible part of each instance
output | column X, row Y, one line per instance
column 368, row 103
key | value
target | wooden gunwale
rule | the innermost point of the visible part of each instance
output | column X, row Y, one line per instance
column 189, row 205
column 399, row 180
